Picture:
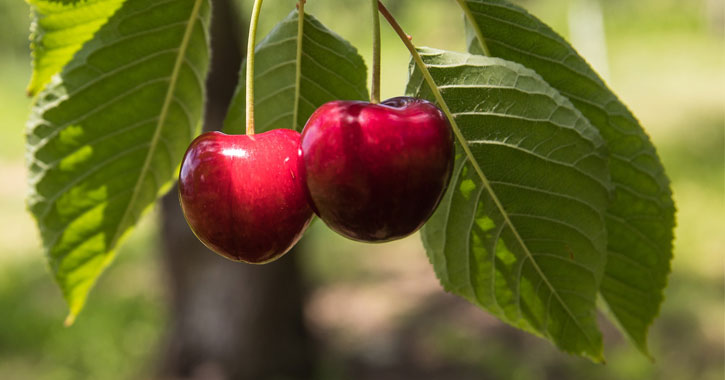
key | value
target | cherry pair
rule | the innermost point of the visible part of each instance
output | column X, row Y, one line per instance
column 372, row 172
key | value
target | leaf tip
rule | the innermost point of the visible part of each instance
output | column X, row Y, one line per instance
column 645, row 351
column 598, row 358
column 31, row 90
column 70, row 319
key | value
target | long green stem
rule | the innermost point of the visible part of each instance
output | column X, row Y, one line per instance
column 298, row 61
column 250, row 66
column 375, row 85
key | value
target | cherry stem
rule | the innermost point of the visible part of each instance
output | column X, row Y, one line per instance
column 298, row 65
column 250, row 66
column 431, row 84
column 375, row 85
column 416, row 57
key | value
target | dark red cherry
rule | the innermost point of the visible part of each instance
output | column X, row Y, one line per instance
column 243, row 196
column 376, row 172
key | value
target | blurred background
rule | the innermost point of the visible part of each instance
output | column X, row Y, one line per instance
column 377, row 311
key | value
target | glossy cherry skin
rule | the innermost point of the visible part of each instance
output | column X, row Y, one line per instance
column 376, row 172
column 243, row 196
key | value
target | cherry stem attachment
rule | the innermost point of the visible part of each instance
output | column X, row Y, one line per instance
column 250, row 66
column 416, row 57
column 375, row 82
column 431, row 84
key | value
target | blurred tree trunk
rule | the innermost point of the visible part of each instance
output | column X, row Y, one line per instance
column 229, row 320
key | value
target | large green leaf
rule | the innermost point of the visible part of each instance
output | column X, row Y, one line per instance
column 59, row 29
column 641, row 217
column 521, row 229
column 107, row 134
column 288, row 87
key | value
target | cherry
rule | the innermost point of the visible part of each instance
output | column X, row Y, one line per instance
column 376, row 172
column 242, row 195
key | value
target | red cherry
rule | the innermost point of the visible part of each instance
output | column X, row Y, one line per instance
column 376, row 172
column 243, row 196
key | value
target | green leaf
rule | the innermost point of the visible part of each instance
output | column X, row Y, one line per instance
column 520, row 230
column 641, row 217
column 59, row 29
column 288, row 87
column 106, row 136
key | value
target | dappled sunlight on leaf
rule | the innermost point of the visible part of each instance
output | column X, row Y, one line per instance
column 108, row 133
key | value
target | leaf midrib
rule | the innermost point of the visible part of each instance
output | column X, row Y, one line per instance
column 168, row 99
